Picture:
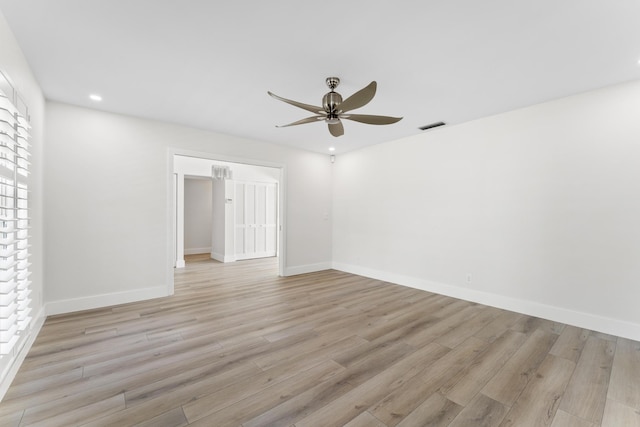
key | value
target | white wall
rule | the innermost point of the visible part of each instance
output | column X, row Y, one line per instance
column 108, row 224
column 540, row 206
column 15, row 66
column 198, row 216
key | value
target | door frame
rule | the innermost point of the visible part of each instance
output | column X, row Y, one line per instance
column 172, row 206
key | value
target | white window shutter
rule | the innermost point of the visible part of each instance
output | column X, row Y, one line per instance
column 15, row 289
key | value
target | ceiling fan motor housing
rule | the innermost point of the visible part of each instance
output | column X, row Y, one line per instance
column 330, row 103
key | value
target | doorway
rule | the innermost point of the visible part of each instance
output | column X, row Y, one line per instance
column 252, row 185
column 198, row 215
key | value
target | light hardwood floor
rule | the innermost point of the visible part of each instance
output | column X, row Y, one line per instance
column 237, row 345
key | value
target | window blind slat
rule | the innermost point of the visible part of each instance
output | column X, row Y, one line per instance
column 15, row 286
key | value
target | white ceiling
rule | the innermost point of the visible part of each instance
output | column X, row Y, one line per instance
column 209, row 64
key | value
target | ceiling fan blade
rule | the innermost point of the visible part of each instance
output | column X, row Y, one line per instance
column 359, row 99
column 336, row 129
column 371, row 120
column 303, row 121
column 308, row 107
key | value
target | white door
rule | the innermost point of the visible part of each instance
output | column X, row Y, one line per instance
column 255, row 219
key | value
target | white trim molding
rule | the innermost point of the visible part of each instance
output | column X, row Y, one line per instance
column 308, row 268
column 12, row 367
column 222, row 257
column 606, row 325
column 104, row 300
column 197, row 251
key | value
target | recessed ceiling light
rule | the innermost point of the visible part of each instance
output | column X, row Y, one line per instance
column 95, row 97
column 332, row 148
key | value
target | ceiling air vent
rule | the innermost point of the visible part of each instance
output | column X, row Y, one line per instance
column 432, row 125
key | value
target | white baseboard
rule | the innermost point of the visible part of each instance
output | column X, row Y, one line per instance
column 593, row 322
column 197, row 251
column 308, row 268
column 222, row 258
column 16, row 360
column 255, row 255
column 104, row 300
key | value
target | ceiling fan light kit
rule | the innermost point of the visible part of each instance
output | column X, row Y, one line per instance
column 334, row 108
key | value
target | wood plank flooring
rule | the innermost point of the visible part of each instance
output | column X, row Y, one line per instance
column 238, row 346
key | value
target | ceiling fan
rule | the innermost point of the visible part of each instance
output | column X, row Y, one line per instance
column 334, row 108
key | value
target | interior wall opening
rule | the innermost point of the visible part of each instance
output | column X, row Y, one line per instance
column 226, row 211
